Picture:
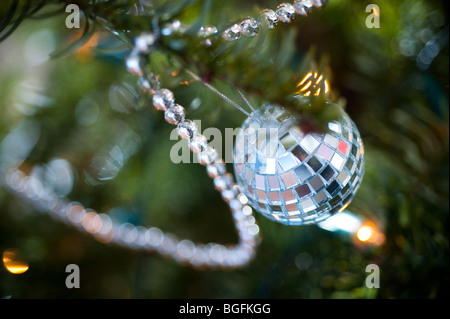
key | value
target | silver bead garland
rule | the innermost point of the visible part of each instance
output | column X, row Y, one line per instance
column 268, row 18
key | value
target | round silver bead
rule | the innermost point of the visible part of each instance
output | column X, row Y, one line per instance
column 198, row 143
column 208, row 156
column 285, row 12
column 149, row 83
column 187, row 129
column 269, row 18
column 249, row 27
column 303, row 7
column 174, row 114
column 163, row 99
column 207, row 31
column 133, row 64
column 232, row 33
column 144, row 42
column 223, row 182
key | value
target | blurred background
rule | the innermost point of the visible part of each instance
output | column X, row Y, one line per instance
column 71, row 112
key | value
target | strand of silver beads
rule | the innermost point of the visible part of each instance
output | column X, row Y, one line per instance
column 268, row 18
column 249, row 27
column 106, row 230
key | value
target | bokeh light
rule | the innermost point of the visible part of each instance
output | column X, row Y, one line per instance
column 14, row 262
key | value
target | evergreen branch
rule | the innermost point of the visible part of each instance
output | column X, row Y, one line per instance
column 16, row 23
column 46, row 15
column 9, row 15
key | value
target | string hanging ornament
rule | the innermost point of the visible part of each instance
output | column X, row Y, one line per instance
column 295, row 177
column 286, row 174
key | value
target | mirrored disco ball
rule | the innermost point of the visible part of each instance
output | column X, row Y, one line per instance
column 293, row 177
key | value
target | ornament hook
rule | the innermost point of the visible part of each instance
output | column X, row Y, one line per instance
column 252, row 115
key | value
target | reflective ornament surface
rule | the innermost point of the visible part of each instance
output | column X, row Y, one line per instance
column 294, row 177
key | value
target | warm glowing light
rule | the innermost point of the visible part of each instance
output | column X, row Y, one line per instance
column 368, row 233
column 375, row 12
column 343, row 207
column 319, row 79
column 378, row 239
column 14, row 263
column 306, row 86
column 364, row 233
column 307, row 76
column 313, row 84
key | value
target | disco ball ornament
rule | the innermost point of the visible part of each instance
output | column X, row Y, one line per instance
column 295, row 177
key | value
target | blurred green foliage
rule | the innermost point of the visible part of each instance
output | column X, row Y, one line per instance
column 400, row 107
